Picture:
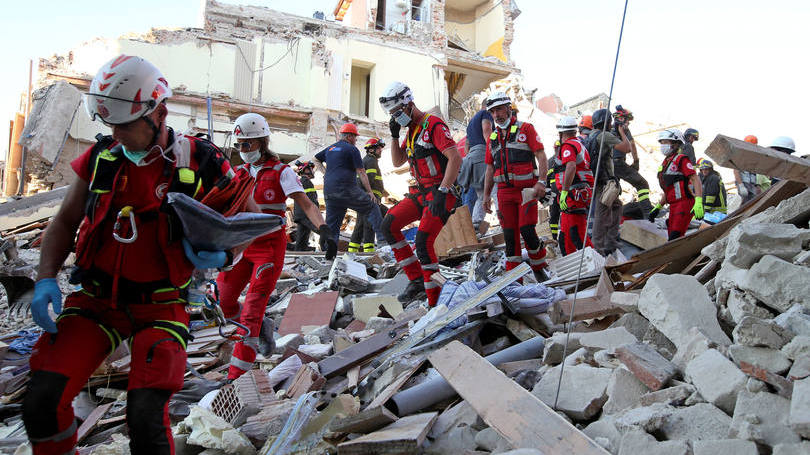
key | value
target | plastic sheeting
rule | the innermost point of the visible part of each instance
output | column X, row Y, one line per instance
column 25, row 341
column 207, row 229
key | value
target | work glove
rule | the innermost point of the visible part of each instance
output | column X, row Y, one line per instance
column 394, row 127
column 654, row 213
column 697, row 209
column 563, row 197
column 438, row 206
column 46, row 291
column 205, row 259
column 327, row 242
column 635, row 165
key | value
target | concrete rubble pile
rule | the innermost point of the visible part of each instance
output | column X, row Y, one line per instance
column 713, row 357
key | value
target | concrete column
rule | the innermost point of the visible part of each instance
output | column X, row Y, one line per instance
column 14, row 159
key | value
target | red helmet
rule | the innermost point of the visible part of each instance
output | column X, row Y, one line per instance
column 349, row 128
column 303, row 166
column 751, row 139
column 374, row 142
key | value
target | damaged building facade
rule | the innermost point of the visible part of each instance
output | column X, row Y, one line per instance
column 305, row 75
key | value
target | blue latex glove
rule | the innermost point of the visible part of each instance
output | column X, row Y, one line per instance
column 46, row 291
column 204, row 259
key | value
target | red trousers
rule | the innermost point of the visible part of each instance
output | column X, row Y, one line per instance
column 519, row 220
column 88, row 331
column 680, row 215
column 412, row 208
column 573, row 232
column 261, row 265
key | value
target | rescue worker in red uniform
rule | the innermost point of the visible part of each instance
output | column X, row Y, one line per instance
column 435, row 162
column 134, row 268
column 677, row 175
column 575, row 185
column 515, row 161
column 263, row 260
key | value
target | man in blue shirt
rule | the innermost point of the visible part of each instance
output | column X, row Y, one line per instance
column 473, row 166
column 343, row 167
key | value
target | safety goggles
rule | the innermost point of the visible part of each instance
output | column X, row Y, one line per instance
column 115, row 111
column 242, row 145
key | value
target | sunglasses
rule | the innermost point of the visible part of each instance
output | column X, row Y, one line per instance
column 242, row 145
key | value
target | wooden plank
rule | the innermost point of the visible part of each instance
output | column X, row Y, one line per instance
column 736, row 154
column 401, row 437
column 367, row 420
column 315, row 309
column 643, row 234
column 516, row 414
column 92, row 420
column 588, row 307
column 457, row 232
column 306, row 380
column 340, row 362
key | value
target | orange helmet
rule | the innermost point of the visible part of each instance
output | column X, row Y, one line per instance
column 374, row 142
column 586, row 122
column 348, row 128
column 751, row 139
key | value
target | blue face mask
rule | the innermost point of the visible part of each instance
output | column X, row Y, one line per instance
column 402, row 118
column 135, row 156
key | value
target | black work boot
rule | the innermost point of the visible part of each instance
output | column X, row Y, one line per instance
column 414, row 290
column 541, row 275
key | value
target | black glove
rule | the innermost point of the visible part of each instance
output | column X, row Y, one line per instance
column 438, row 206
column 634, row 165
column 327, row 242
column 394, row 127
column 654, row 213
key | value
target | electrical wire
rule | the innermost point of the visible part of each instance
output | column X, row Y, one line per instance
column 591, row 208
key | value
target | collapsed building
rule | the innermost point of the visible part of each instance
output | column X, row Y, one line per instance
column 306, row 76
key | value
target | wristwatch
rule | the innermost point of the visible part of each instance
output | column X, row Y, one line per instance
column 444, row 189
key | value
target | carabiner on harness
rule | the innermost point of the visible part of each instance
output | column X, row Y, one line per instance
column 126, row 212
column 211, row 311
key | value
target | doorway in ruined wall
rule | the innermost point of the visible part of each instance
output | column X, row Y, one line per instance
column 360, row 89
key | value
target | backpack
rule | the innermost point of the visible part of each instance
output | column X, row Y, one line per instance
column 592, row 144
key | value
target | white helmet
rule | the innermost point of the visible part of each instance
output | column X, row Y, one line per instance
column 498, row 99
column 250, row 126
column 395, row 95
column 125, row 89
column 566, row 123
column 670, row 134
column 783, row 142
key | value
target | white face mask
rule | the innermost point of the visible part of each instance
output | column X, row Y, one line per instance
column 667, row 149
column 503, row 125
column 250, row 157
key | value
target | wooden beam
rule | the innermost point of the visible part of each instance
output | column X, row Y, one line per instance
column 200, row 100
column 643, row 234
column 367, row 420
column 517, row 415
column 734, row 153
column 587, row 307
column 401, row 437
column 340, row 362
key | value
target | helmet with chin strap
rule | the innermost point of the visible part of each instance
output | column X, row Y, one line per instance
column 395, row 95
column 125, row 89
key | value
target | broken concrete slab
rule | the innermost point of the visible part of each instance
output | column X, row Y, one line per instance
column 800, row 368
column 779, row 383
column 317, row 351
column 650, row 367
column 554, row 346
column 605, row 428
column 459, row 439
column 676, row 303
column 770, row 359
column 378, row 324
column 794, row 320
column 747, row 242
column 583, row 391
column 627, row 301
column 799, row 346
column 702, row 421
column 802, row 448
column 658, row 341
column 490, row 440
column 763, row 418
column 778, row 284
column 741, row 304
column 751, row 331
column 366, row 307
column 716, row 378
column 608, row 339
column 724, row 446
column 634, row 323
column 624, row 391
column 800, row 408
column 697, row 344
column 403, row 436
column 648, row 418
column 636, row 442
column 674, row 396
column 458, row 415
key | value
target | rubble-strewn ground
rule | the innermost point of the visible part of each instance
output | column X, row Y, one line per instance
column 716, row 362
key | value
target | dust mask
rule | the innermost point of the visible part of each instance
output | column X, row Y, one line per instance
column 251, row 157
column 503, row 125
column 403, row 119
column 667, row 149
